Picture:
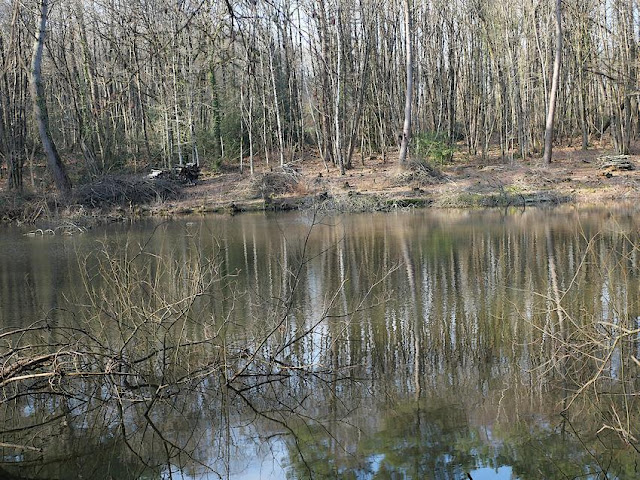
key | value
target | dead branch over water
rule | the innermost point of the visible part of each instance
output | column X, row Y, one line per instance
column 132, row 356
column 593, row 357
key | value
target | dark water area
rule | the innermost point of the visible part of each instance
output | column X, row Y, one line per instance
column 431, row 344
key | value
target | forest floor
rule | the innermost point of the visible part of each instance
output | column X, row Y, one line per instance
column 574, row 177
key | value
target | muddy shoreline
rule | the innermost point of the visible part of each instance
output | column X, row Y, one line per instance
column 574, row 178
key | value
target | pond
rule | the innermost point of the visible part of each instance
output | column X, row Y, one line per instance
column 418, row 344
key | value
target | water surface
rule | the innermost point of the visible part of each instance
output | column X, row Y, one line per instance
column 430, row 344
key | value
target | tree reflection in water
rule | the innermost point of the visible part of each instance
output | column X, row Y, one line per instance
column 418, row 345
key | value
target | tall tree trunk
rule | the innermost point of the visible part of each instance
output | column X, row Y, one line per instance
column 406, row 129
column 60, row 177
column 13, row 121
column 176, row 111
column 338, row 82
column 548, row 132
column 276, row 104
column 216, row 117
column 452, row 83
column 630, row 74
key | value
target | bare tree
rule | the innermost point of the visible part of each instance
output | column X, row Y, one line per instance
column 164, row 81
column 406, row 128
column 551, row 109
column 13, row 115
column 60, row 177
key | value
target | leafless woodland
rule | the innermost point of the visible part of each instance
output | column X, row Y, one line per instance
column 161, row 83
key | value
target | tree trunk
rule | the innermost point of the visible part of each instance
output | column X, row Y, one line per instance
column 13, row 121
column 338, row 82
column 406, row 129
column 216, row 119
column 60, row 177
column 548, row 133
column 276, row 105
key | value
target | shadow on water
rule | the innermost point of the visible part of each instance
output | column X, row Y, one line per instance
column 444, row 345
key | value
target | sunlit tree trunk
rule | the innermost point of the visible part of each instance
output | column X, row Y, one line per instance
column 338, row 93
column 361, row 88
column 216, row 117
column 176, row 110
column 548, row 133
column 406, row 128
column 276, row 105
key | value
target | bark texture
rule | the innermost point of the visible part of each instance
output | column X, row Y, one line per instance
column 56, row 167
column 555, row 81
column 406, row 128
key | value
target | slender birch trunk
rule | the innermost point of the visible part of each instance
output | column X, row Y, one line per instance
column 548, row 133
column 338, row 82
column 406, row 129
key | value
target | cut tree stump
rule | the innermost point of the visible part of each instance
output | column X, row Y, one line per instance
column 615, row 162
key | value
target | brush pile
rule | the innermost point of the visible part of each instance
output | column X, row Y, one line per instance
column 280, row 182
column 117, row 190
column 419, row 174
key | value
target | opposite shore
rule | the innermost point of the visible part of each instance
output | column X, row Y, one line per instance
column 575, row 177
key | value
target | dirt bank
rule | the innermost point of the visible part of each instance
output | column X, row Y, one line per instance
column 575, row 177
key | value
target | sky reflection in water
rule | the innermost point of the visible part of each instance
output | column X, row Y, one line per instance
column 446, row 356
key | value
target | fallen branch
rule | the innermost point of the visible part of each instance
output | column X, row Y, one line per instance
column 615, row 162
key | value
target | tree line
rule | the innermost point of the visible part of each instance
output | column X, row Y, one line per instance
column 171, row 82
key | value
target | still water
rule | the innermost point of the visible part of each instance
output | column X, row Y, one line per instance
column 429, row 344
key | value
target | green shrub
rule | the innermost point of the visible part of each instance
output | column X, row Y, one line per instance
column 433, row 147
